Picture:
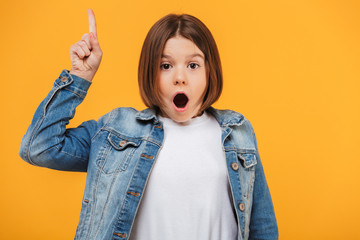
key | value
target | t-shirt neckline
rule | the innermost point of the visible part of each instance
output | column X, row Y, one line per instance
column 191, row 122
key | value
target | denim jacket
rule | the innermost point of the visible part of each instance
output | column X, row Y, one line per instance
column 118, row 152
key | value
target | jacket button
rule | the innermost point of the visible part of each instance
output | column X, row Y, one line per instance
column 122, row 143
column 122, row 235
column 63, row 79
column 235, row 166
column 242, row 207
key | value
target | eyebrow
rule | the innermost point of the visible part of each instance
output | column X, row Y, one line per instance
column 189, row 56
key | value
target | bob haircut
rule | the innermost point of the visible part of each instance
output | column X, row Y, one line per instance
column 191, row 28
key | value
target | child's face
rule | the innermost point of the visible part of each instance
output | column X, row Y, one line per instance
column 182, row 79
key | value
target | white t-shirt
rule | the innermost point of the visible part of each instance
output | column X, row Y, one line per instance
column 188, row 194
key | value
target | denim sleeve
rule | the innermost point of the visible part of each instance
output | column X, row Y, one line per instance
column 263, row 223
column 47, row 142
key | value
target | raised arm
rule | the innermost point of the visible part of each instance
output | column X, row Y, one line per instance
column 47, row 142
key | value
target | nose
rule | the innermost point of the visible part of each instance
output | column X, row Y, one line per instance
column 180, row 78
column 178, row 82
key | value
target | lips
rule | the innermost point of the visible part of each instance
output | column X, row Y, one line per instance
column 180, row 101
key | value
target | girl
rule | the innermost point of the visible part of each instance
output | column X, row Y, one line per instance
column 200, row 166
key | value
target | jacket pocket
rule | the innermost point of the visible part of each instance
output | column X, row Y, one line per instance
column 247, row 159
column 116, row 153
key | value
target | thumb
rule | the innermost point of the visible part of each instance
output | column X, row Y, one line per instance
column 95, row 44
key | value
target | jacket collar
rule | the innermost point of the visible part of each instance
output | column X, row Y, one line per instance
column 224, row 117
column 227, row 117
column 147, row 115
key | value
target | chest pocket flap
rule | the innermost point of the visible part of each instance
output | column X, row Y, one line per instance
column 247, row 159
column 117, row 152
column 120, row 143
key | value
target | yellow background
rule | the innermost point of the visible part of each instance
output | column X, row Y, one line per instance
column 291, row 67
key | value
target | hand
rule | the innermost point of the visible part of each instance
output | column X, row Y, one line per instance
column 86, row 54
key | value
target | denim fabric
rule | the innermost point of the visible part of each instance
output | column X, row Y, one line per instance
column 118, row 152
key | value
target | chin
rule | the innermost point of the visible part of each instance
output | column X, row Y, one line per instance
column 181, row 117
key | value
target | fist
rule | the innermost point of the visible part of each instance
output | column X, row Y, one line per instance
column 86, row 54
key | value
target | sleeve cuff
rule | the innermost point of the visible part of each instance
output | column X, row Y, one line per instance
column 73, row 83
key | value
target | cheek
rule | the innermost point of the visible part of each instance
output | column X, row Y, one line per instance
column 164, row 93
column 164, row 79
column 204, row 83
column 200, row 90
column 161, row 85
column 163, row 90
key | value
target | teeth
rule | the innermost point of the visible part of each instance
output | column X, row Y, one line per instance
column 180, row 100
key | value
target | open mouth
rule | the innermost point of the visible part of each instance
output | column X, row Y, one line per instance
column 180, row 100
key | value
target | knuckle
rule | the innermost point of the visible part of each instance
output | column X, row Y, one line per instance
column 85, row 45
column 75, row 47
column 79, row 51
column 85, row 35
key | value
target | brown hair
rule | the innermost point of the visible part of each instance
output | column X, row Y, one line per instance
column 188, row 27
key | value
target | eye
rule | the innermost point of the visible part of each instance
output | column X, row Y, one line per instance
column 165, row 66
column 193, row 65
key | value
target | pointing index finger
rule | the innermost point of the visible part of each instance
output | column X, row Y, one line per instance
column 92, row 22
